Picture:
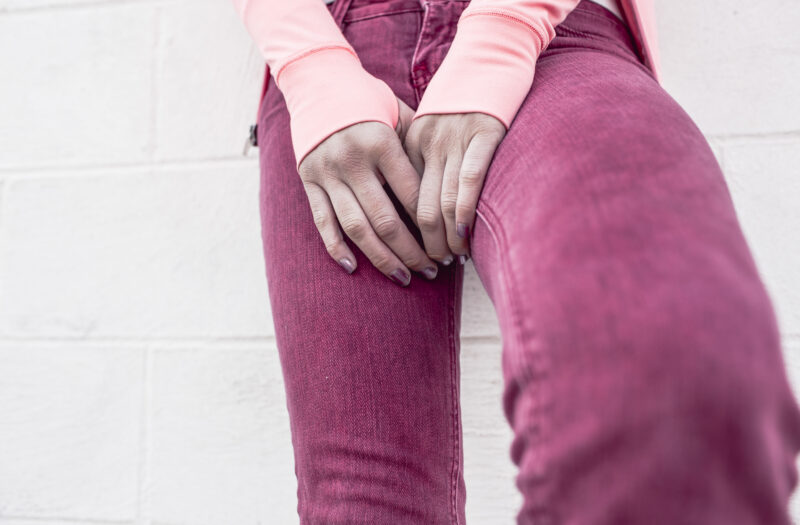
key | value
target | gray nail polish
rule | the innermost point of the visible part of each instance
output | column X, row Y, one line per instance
column 347, row 264
column 447, row 260
column 462, row 230
column 462, row 259
column 401, row 277
column 430, row 272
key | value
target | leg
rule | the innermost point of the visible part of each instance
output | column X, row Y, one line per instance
column 643, row 372
column 370, row 369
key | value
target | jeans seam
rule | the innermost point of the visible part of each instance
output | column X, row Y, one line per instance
column 422, row 25
column 453, row 395
column 553, row 51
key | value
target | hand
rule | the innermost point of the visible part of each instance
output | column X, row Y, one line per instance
column 343, row 177
column 451, row 152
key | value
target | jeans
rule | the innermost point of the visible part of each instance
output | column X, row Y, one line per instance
column 642, row 369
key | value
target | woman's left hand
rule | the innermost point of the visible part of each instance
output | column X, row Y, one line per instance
column 452, row 153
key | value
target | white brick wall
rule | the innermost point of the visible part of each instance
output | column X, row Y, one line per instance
column 132, row 395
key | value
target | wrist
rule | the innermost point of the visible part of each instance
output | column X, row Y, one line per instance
column 484, row 73
column 328, row 89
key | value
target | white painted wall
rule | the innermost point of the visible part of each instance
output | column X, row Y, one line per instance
column 140, row 379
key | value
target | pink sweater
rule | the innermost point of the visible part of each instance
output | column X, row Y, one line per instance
column 326, row 88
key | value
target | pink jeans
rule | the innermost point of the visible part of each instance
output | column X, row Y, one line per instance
column 642, row 367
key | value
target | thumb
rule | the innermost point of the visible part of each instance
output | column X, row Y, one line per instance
column 404, row 120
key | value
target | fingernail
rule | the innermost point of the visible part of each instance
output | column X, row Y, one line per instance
column 401, row 277
column 462, row 259
column 430, row 272
column 347, row 265
column 462, row 230
column 447, row 260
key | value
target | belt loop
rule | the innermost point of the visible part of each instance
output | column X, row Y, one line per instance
column 338, row 10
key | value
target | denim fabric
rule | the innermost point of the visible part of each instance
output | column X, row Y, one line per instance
column 642, row 367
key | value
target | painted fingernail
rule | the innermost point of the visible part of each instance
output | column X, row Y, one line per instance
column 462, row 259
column 430, row 272
column 447, row 260
column 401, row 277
column 347, row 264
column 462, row 230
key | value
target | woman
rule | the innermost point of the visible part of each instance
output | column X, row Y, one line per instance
column 642, row 368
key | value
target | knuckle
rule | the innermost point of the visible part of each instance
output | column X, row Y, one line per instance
column 448, row 203
column 437, row 255
column 387, row 227
column 464, row 210
column 470, row 173
column 432, row 144
column 332, row 246
column 321, row 219
column 427, row 218
column 327, row 161
column 356, row 229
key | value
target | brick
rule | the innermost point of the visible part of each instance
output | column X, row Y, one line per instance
column 25, row 5
column 174, row 252
column 732, row 73
column 208, row 86
column 70, row 439
column 478, row 317
column 762, row 176
column 488, row 471
column 78, row 86
column 221, row 441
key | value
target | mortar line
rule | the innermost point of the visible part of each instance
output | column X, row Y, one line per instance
column 52, row 171
column 88, row 4
column 144, row 500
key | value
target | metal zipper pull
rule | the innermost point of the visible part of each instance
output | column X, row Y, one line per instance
column 252, row 140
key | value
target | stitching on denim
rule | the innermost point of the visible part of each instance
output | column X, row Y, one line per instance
column 415, row 56
column 536, row 420
column 584, row 34
column 383, row 13
column 615, row 22
column 453, row 392
column 574, row 32
column 553, row 52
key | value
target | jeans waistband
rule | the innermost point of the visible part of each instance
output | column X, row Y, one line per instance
column 588, row 20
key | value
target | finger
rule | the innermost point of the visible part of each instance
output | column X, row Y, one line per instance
column 411, row 147
column 388, row 225
column 449, row 198
column 429, row 213
column 471, row 178
column 328, row 226
column 401, row 176
column 406, row 114
column 358, row 228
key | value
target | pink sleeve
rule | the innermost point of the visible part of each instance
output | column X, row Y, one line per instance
column 316, row 69
column 490, row 65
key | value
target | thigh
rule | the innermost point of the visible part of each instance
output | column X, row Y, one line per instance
column 604, row 189
column 370, row 368
column 630, row 305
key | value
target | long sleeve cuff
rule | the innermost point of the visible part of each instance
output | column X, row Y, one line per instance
column 327, row 89
column 489, row 66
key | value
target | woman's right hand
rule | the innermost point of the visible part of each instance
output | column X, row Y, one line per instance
column 343, row 177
